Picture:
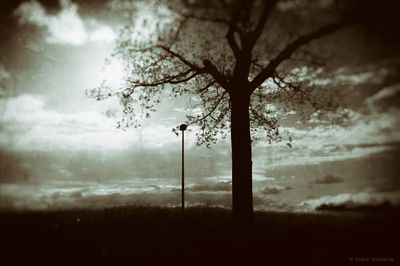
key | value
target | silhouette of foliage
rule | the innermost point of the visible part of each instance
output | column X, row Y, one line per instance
column 196, row 48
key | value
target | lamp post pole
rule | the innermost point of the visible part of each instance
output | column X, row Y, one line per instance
column 183, row 127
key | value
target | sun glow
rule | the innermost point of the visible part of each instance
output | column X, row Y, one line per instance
column 113, row 73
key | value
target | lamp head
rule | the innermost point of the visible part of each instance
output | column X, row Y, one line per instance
column 183, row 127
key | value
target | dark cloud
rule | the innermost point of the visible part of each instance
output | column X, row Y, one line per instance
column 273, row 190
column 219, row 186
column 328, row 179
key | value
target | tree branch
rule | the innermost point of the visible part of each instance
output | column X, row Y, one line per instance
column 207, row 86
column 253, row 36
column 192, row 66
column 230, row 35
column 213, row 71
column 174, row 79
column 208, row 67
column 291, row 48
column 212, row 109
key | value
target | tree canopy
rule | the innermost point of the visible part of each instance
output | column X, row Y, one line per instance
column 203, row 48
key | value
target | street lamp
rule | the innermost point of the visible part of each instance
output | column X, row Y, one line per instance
column 182, row 128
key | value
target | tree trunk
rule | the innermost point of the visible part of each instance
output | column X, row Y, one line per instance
column 242, row 191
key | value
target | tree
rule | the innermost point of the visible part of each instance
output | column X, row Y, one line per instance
column 238, row 60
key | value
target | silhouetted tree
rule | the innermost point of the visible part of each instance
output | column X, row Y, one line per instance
column 239, row 61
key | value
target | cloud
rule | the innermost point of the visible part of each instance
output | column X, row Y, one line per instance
column 28, row 197
column 102, row 33
column 328, row 179
column 219, row 186
column 273, row 190
column 28, row 125
column 362, row 136
column 388, row 97
column 371, row 127
column 354, row 76
column 263, row 203
column 4, row 76
column 362, row 200
column 83, row 194
column 65, row 27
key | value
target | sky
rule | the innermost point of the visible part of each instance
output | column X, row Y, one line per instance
column 61, row 149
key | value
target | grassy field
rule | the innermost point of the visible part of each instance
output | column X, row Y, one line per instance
column 151, row 235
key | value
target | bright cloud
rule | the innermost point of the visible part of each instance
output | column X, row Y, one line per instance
column 353, row 76
column 102, row 33
column 355, row 200
column 29, row 125
column 65, row 27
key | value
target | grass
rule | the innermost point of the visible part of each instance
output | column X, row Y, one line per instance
column 155, row 235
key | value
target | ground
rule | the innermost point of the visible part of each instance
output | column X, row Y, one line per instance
column 153, row 235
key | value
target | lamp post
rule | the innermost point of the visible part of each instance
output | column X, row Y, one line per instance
column 182, row 128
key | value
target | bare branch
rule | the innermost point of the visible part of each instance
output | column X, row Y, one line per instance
column 178, row 31
column 213, row 71
column 253, row 36
column 182, row 59
column 212, row 109
column 305, row 95
column 255, row 63
column 291, row 48
column 208, row 67
column 174, row 79
column 230, row 35
column 207, row 86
